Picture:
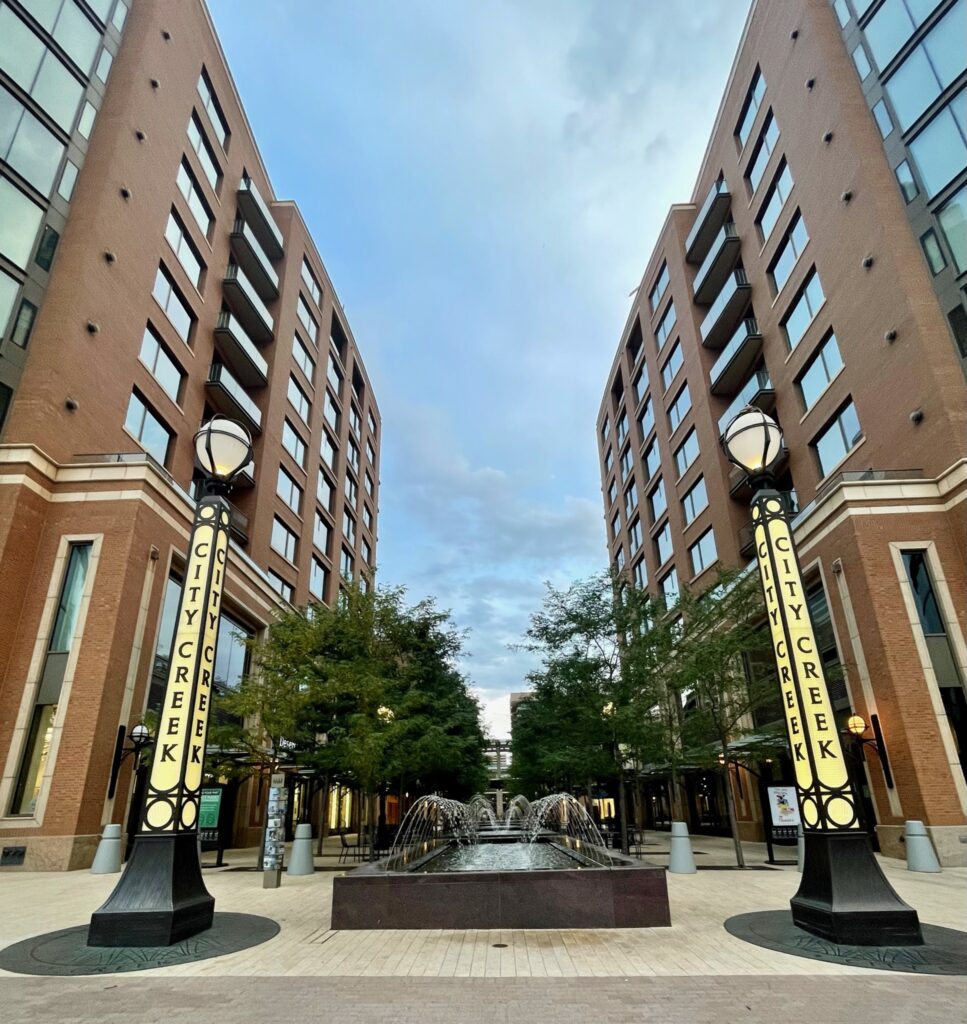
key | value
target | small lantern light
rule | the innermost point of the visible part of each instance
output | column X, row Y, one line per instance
column 856, row 724
column 223, row 448
column 140, row 735
column 753, row 441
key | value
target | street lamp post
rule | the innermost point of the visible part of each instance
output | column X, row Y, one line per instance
column 843, row 895
column 161, row 897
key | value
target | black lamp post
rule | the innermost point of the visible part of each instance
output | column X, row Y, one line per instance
column 161, row 898
column 843, row 895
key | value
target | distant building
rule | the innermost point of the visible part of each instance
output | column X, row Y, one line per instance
column 498, row 757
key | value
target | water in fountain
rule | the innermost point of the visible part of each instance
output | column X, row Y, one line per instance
column 563, row 814
column 518, row 811
column 432, row 819
column 482, row 811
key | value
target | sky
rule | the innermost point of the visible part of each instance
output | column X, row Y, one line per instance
column 485, row 182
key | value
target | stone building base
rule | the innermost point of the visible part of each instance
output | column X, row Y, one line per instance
column 53, row 853
column 950, row 842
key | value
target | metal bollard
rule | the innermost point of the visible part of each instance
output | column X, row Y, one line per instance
column 300, row 856
column 107, row 859
column 921, row 855
column 681, row 861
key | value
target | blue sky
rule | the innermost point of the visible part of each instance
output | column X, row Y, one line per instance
column 485, row 182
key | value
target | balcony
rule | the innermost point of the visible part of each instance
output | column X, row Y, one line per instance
column 739, row 480
column 239, row 525
column 239, row 352
column 229, row 397
column 710, row 217
column 736, row 359
column 729, row 305
column 251, row 257
column 256, row 211
column 757, row 391
column 722, row 254
column 251, row 311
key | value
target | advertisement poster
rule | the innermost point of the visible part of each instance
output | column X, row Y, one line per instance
column 784, row 806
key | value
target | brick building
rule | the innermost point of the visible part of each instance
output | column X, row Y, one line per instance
column 818, row 272
column 149, row 278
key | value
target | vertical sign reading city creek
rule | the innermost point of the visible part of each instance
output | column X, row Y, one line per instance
column 176, row 772
column 825, row 793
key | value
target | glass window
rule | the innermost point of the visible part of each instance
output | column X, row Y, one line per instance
column 631, row 499
column 367, row 517
column 309, row 280
column 31, row 149
column 838, row 439
column 302, row 358
column 862, row 62
column 703, row 552
column 351, row 490
column 346, row 564
column 640, row 385
column 679, row 408
column 317, row 578
column 953, row 223
column 289, row 491
column 283, row 541
column 906, row 181
column 331, row 412
column 104, row 65
column 86, row 121
column 70, row 28
column 882, row 117
column 299, row 400
column 327, row 449
column 776, row 199
column 370, row 453
column 352, row 453
column 819, row 371
column 321, row 534
column 9, row 286
column 199, row 143
column 669, row 588
column 292, row 442
column 667, row 325
column 646, row 420
column 605, row 430
column 658, row 290
column 67, row 181
column 324, row 491
column 24, row 324
column 663, row 544
column 893, row 24
column 212, row 108
column 635, row 534
column 46, row 248
column 355, row 420
column 612, row 493
column 657, row 502
column 938, row 61
column 803, row 310
column 120, row 15
column 764, row 148
column 142, row 424
column 619, row 558
column 349, row 528
column 672, row 365
column 163, row 367
column 281, row 586
column 750, row 107
column 367, row 551
column 334, row 376
column 371, row 420
column 609, row 459
column 626, row 464
column 928, row 611
column 931, row 249
column 687, row 452
column 622, row 428
column 652, row 459
column 69, row 605
column 789, row 251
column 307, row 320
column 189, row 188
column 176, row 309
column 842, row 12
column 940, row 150
column 640, row 572
column 186, row 252
column 695, row 500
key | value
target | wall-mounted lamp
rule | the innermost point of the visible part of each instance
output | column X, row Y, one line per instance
column 856, row 729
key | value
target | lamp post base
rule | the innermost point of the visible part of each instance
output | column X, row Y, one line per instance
column 159, row 900
column 844, row 896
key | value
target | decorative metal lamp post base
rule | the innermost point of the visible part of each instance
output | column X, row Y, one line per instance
column 161, row 898
column 844, row 896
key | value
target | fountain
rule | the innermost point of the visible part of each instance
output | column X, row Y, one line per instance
column 455, row 865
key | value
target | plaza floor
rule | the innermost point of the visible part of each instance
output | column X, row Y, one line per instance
column 692, row 972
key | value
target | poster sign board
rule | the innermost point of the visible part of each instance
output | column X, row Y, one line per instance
column 784, row 814
column 273, row 848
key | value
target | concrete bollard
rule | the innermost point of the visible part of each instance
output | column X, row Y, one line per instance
column 300, row 857
column 921, row 855
column 107, row 860
column 800, row 849
column 681, row 861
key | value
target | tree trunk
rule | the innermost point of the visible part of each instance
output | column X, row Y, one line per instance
column 323, row 815
column 372, row 802
column 623, row 810
column 730, row 804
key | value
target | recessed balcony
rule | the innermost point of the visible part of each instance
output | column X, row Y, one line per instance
column 229, row 397
column 722, row 254
column 247, row 305
column 239, row 525
column 251, row 257
column 710, row 217
column 238, row 350
column 255, row 210
column 729, row 305
column 737, row 359
column 757, row 391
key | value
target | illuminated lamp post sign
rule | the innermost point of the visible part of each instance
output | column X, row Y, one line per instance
column 843, row 896
column 161, row 897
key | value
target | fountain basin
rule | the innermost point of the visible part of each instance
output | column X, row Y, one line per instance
column 447, row 887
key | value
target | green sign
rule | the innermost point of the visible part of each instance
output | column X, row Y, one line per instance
column 211, row 803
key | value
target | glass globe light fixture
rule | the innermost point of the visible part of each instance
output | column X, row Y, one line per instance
column 753, row 442
column 140, row 735
column 856, row 724
column 222, row 448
